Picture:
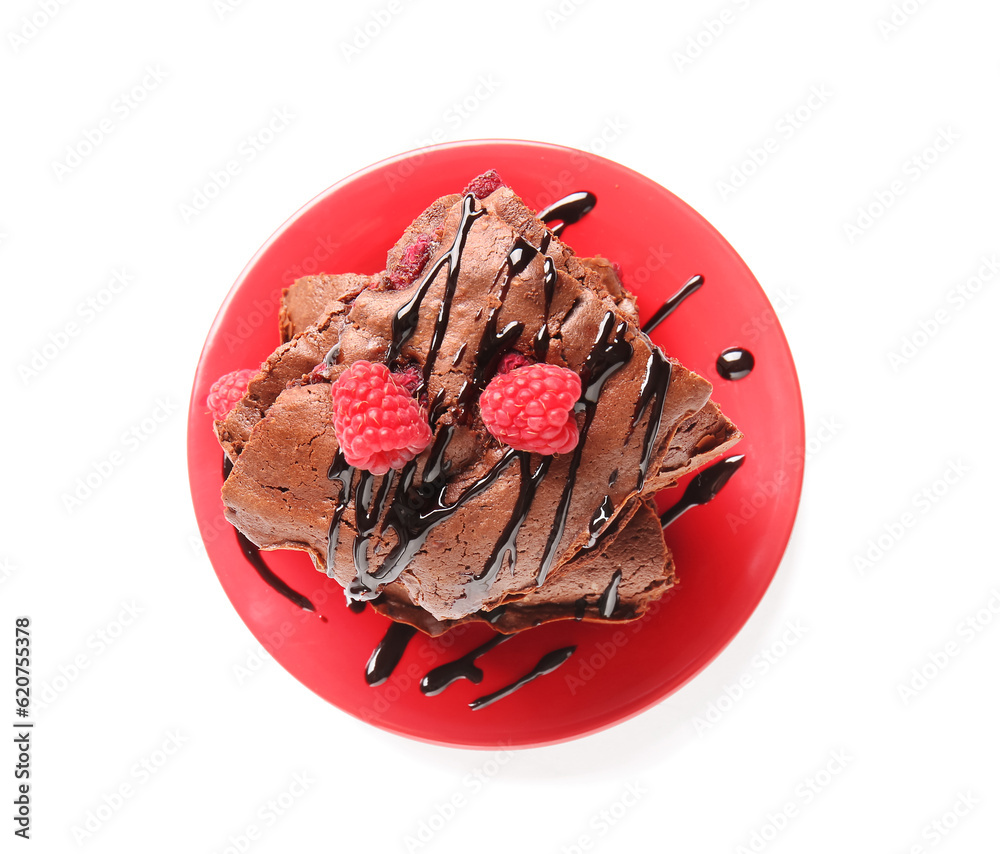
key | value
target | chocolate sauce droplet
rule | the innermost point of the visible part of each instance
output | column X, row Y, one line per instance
column 580, row 608
column 672, row 304
column 549, row 662
column 461, row 668
column 357, row 607
column 734, row 363
column 703, row 487
column 568, row 210
column 387, row 654
column 601, row 517
column 609, row 598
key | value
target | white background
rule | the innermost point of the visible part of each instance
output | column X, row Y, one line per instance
column 894, row 339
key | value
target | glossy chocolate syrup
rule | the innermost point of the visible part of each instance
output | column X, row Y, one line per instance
column 388, row 653
column 252, row 553
column 734, row 363
column 344, row 474
column 672, row 304
column 549, row 662
column 417, row 509
column 609, row 598
column 652, row 395
column 601, row 517
column 461, row 668
column 568, row 210
column 507, row 544
column 404, row 323
column 610, row 353
column 703, row 487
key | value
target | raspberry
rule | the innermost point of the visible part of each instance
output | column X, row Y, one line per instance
column 378, row 424
column 227, row 390
column 482, row 185
column 531, row 408
column 413, row 261
column 409, row 379
column 512, row 361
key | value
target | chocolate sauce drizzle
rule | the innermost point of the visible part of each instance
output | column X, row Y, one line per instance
column 404, row 323
column 548, row 662
column 417, row 510
column 387, row 654
column 672, row 304
column 344, row 473
column 601, row 517
column 507, row 544
column 652, row 396
column 568, row 210
column 703, row 487
column 734, row 363
column 461, row 668
column 252, row 553
column 610, row 353
column 609, row 598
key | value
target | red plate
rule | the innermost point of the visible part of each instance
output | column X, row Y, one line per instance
column 726, row 552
